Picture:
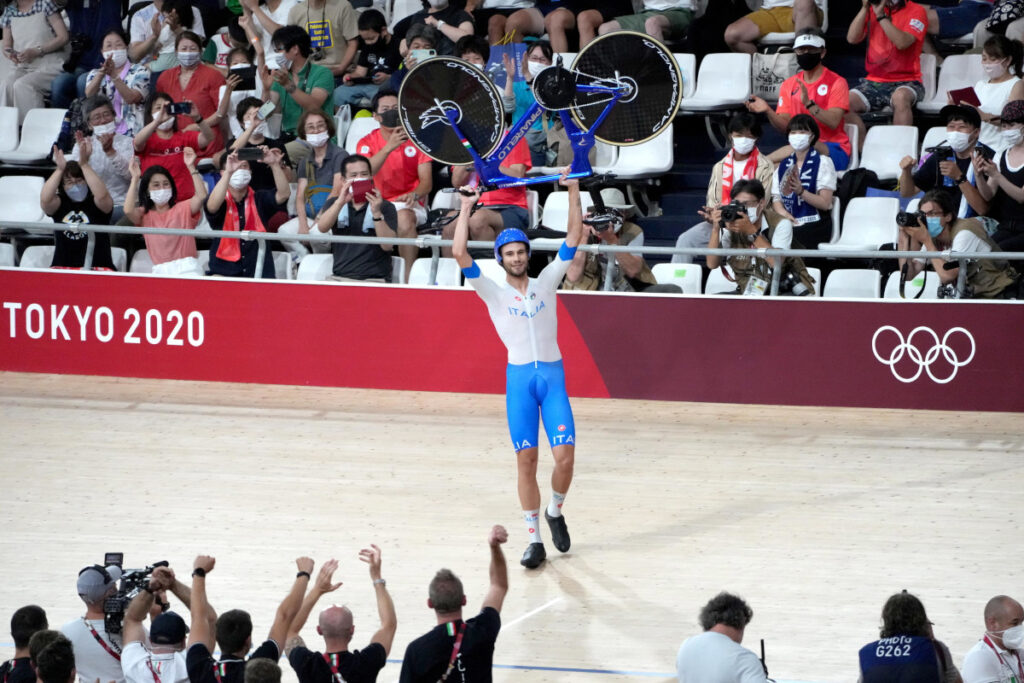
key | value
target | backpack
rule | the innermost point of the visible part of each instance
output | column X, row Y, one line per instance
column 315, row 196
column 855, row 183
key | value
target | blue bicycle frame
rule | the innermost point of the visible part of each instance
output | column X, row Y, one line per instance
column 582, row 141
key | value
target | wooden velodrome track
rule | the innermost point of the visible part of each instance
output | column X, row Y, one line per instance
column 815, row 515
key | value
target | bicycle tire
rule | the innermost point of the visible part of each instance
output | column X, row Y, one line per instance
column 458, row 84
column 650, row 66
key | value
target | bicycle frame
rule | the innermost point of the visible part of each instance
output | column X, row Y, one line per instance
column 582, row 141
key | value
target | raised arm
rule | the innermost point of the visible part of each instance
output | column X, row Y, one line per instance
column 48, row 199
column 385, row 635
column 289, row 607
column 100, row 194
column 143, row 135
column 468, row 197
column 131, row 197
column 140, row 605
column 273, row 158
column 220, row 190
column 320, row 587
column 201, row 629
column 195, row 203
column 574, row 233
column 499, row 569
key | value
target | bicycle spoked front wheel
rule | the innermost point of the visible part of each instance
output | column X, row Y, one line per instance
column 447, row 84
column 651, row 75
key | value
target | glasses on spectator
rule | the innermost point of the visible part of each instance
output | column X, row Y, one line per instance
column 934, row 213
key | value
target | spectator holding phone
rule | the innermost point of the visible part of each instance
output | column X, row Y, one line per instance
column 949, row 166
column 251, row 115
column 198, row 83
column 1001, row 59
column 153, row 202
column 1003, row 184
column 361, row 211
column 160, row 141
column 124, row 83
column 420, row 43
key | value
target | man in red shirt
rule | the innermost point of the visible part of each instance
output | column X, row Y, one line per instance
column 502, row 208
column 401, row 172
column 895, row 30
column 816, row 91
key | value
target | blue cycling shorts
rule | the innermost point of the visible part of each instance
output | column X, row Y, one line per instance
column 533, row 391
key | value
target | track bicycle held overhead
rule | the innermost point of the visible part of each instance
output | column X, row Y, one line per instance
column 623, row 89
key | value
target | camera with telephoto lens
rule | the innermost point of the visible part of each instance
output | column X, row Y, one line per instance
column 940, row 151
column 132, row 581
column 731, row 212
column 601, row 221
column 790, row 283
column 906, row 219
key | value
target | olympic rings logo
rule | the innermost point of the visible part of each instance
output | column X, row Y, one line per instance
column 924, row 360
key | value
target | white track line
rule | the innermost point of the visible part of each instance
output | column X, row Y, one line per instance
column 530, row 614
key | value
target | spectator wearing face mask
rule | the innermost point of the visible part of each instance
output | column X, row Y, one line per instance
column 743, row 162
column 75, row 195
column 123, row 83
column 998, row 656
column 804, row 183
column 954, row 172
column 816, row 91
column 161, row 143
column 1003, row 184
column 112, row 152
column 1001, row 59
column 192, row 81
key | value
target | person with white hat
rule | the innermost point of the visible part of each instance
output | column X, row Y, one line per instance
column 97, row 653
column 816, row 91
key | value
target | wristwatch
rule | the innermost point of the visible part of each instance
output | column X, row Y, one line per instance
column 200, row 572
column 962, row 179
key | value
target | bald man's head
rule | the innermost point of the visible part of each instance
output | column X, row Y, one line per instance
column 1001, row 613
column 336, row 623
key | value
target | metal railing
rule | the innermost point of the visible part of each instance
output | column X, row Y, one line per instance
column 435, row 243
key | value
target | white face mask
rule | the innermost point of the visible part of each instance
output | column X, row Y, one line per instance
column 752, row 214
column 743, row 145
column 317, row 139
column 105, row 129
column 77, row 192
column 188, row 58
column 800, row 141
column 1013, row 638
column 536, row 67
column 240, row 179
column 166, row 125
column 160, row 197
column 279, row 61
column 958, row 140
column 993, row 69
column 119, row 57
column 1012, row 136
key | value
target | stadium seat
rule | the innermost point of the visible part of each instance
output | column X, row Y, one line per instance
column 837, row 212
column 19, row 196
column 926, row 279
column 36, row 257
column 398, row 270
column 359, row 128
column 717, row 282
column 556, row 210
column 605, row 156
column 958, row 71
column 315, row 267
column 401, row 9
column 934, row 136
column 567, row 58
column 646, row 160
column 687, row 63
column 853, row 133
column 283, row 269
column 786, row 39
column 885, row 146
column 38, row 132
column 6, row 255
column 929, row 67
column 533, row 206
column 489, row 268
column 204, row 260
column 687, row 275
column 8, row 128
column 141, row 262
column 868, row 223
column 816, row 274
column 723, row 82
column 448, row 273
column 853, row 283
column 120, row 258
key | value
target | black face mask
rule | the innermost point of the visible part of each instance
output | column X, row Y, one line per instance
column 389, row 119
column 808, row 60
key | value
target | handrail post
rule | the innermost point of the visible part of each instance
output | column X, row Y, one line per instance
column 777, row 276
column 261, row 257
column 90, row 249
column 435, row 261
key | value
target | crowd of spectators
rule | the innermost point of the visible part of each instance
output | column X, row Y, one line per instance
column 174, row 649
column 235, row 104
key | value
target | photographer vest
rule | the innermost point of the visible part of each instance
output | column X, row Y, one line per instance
column 900, row 659
column 986, row 278
column 745, row 266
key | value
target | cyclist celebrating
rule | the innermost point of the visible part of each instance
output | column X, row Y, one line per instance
column 524, row 313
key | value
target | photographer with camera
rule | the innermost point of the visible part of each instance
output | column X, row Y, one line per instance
column 606, row 224
column 937, row 229
column 97, row 652
column 164, row 659
column 948, row 166
column 747, row 223
column 233, row 629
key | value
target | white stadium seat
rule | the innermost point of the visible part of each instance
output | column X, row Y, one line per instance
column 357, row 130
column 723, row 82
column 448, row 273
column 646, row 160
column 934, row 136
column 6, row 255
column 868, row 223
column 19, row 196
column 929, row 67
column 718, row 283
column 853, row 133
column 282, row 263
column 885, row 147
column 489, row 268
column 926, row 279
column 958, row 71
column 42, row 256
column 38, row 133
column 141, row 262
column 853, row 283
column 556, row 210
column 315, row 267
column 8, row 128
column 686, row 275
column 398, row 270
column 688, row 68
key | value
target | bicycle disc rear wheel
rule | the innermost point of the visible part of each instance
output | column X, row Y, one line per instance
column 651, row 71
column 446, row 83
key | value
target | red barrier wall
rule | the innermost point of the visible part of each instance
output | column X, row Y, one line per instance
column 795, row 352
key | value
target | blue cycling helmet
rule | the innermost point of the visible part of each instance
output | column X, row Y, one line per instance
column 508, row 236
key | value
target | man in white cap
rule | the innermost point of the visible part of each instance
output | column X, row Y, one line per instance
column 774, row 16
column 816, row 91
column 608, row 224
column 97, row 653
